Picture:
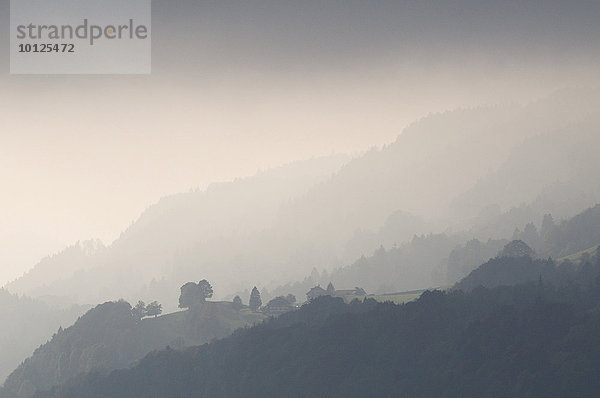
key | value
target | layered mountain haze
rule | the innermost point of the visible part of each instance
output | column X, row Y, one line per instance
column 113, row 336
column 27, row 323
column 413, row 174
column 461, row 343
column 90, row 272
column 322, row 214
column 242, row 86
column 444, row 259
column 308, row 198
column 256, row 84
column 556, row 168
column 77, row 258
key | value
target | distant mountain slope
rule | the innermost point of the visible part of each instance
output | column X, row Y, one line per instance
column 554, row 171
column 146, row 249
column 411, row 265
column 441, row 157
column 109, row 337
column 444, row 259
column 402, row 267
column 507, row 271
column 279, row 225
column 408, row 175
column 26, row 323
column 527, row 340
column 559, row 241
column 463, row 259
column 576, row 238
column 580, row 256
column 246, row 205
column 76, row 258
column 571, row 236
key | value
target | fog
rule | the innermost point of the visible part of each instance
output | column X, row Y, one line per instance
column 84, row 156
column 282, row 151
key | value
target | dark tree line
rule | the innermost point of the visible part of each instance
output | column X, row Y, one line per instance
column 141, row 310
column 531, row 340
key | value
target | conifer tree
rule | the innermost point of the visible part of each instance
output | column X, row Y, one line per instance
column 255, row 301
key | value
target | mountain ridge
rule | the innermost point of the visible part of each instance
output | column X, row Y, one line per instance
column 312, row 230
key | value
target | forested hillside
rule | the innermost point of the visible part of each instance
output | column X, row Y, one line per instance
column 26, row 323
column 300, row 199
column 111, row 336
column 532, row 339
column 512, row 268
column 439, row 260
column 574, row 235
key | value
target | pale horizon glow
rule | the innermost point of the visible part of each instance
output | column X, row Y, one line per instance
column 82, row 157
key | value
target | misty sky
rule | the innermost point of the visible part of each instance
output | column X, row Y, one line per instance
column 247, row 85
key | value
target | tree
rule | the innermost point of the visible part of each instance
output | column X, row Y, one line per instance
column 237, row 303
column 330, row 289
column 187, row 296
column 154, row 309
column 255, row 301
column 205, row 290
column 139, row 311
column 194, row 293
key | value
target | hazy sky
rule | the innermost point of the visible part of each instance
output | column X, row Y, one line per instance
column 240, row 86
